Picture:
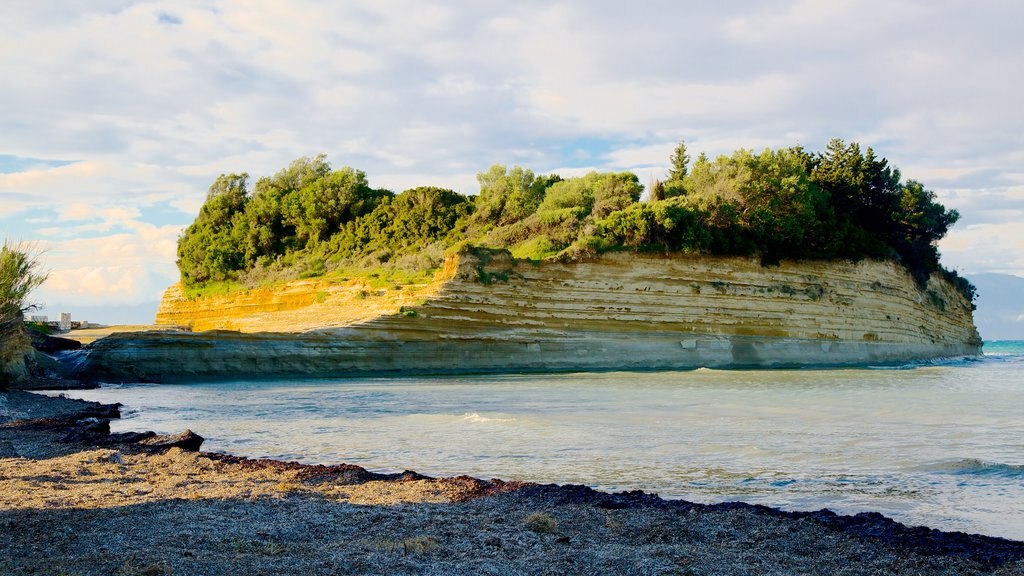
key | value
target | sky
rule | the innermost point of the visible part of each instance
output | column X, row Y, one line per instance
column 117, row 115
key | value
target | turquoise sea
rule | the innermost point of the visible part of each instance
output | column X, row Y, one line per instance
column 940, row 445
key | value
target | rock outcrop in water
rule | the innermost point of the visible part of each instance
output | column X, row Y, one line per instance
column 486, row 312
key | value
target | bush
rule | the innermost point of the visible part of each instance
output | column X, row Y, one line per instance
column 19, row 276
column 541, row 522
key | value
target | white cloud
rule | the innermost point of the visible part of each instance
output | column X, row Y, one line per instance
column 997, row 247
column 80, row 190
column 76, row 211
column 125, row 268
column 153, row 99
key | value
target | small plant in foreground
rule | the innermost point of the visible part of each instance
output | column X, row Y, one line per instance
column 414, row 545
column 541, row 522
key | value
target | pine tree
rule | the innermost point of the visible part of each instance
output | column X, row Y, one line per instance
column 680, row 160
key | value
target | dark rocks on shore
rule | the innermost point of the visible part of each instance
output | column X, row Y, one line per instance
column 52, row 344
column 187, row 440
column 87, row 430
column 44, row 382
column 105, row 411
column 988, row 551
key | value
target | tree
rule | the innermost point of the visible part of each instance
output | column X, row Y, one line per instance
column 784, row 210
column 323, row 204
column 19, row 276
column 509, row 195
column 880, row 196
column 920, row 223
column 613, row 191
column 212, row 247
column 680, row 161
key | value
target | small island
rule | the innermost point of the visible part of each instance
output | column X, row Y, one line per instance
column 783, row 258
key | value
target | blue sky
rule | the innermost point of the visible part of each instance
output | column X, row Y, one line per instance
column 116, row 115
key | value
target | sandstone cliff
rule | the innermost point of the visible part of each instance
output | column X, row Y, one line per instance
column 488, row 313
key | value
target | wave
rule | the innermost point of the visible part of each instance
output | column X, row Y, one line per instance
column 975, row 467
column 476, row 418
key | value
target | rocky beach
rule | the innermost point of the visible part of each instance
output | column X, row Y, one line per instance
column 76, row 499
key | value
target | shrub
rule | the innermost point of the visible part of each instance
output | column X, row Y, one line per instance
column 541, row 522
column 20, row 274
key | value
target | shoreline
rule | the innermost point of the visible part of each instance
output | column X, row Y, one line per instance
column 70, row 469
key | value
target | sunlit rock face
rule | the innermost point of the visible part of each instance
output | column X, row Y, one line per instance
column 486, row 312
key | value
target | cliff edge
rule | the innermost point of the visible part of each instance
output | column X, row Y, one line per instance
column 486, row 312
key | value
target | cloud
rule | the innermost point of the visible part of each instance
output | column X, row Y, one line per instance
column 154, row 99
column 76, row 211
column 994, row 247
column 127, row 268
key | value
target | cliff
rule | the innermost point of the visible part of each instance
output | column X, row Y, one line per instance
column 296, row 306
column 486, row 312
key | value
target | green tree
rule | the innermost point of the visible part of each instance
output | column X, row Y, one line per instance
column 880, row 197
column 572, row 198
column 613, row 191
column 267, row 232
column 509, row 195
column 20, row 274
column 921, row 222
column 786, row 213
column 402, row 226
column 211, row 248
column 719, row 179
column 322, row 205
column 680, row 163
column 678, row 170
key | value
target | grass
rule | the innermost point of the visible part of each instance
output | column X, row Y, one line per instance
column 541, row 522
column 289, row 486
column 211, row 289
column 412, row 546
column 376, row 278
column 381, row 277
column 534, row 249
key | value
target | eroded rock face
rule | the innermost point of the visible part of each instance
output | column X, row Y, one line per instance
column 622, row 311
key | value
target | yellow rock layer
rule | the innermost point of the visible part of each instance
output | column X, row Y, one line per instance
column 295, row 306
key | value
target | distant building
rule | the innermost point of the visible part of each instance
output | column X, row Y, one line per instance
column 65, row 324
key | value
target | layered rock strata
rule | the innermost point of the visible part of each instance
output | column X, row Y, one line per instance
column 621, row 311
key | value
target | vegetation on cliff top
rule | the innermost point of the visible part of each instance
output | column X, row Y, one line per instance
column 310, row 220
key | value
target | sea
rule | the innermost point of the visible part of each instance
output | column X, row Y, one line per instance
column 935, row 444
